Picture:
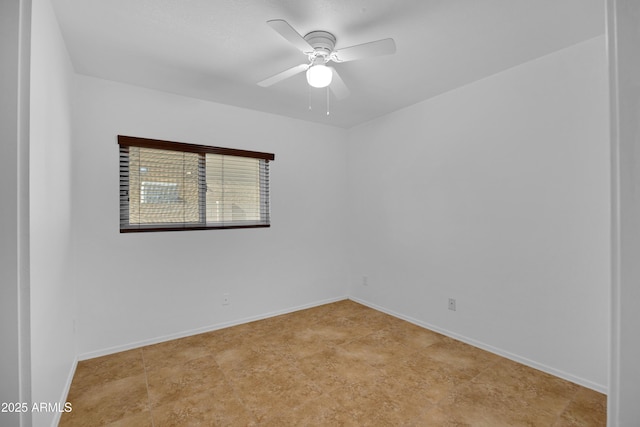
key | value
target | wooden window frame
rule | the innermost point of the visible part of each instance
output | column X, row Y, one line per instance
column 130, row 141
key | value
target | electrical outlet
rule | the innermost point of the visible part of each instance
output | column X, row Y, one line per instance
column 226, row 300
column 365, row 281
column 452, row 304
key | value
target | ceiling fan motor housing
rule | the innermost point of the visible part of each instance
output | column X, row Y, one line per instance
column 319, row 47
column 322, row 42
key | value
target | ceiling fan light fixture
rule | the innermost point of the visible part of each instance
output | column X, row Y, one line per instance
column 319, row 75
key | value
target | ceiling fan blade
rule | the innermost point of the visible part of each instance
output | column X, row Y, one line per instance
column 283, row 28
column 365, row 50
column 283, row 75
column 337, row 85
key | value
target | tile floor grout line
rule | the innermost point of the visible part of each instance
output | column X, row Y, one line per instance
column 146, row 381
column 486, row 368
column 467, row 381
column 238, row 395
column 233, row 387
column 559, row 416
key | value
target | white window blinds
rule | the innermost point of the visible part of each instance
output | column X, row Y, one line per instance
column 176, row 186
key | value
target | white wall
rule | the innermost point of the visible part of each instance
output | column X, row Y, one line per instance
column 141, row 287
column 495, row 194
column 15, row 372
column 53, row 341
column 624, row 61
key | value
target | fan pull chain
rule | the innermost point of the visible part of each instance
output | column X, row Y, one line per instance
column 327, row 100
column 309, row 96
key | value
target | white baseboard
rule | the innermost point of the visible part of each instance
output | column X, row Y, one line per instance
column 65, row 392
column 500, row 352
column 516, row 358
column 156, row 340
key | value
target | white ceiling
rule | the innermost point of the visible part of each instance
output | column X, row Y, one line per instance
column 219, row 49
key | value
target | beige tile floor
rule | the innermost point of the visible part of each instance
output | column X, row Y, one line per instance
column 337, row 364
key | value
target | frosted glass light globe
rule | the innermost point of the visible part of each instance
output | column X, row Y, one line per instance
column 319, row 75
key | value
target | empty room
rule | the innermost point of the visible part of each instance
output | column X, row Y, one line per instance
column 362, row 212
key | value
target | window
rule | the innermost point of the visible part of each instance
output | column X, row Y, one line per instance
column 166, row 186
column 159, row 192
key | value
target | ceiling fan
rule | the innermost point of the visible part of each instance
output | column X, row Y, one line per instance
column 319, row 46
